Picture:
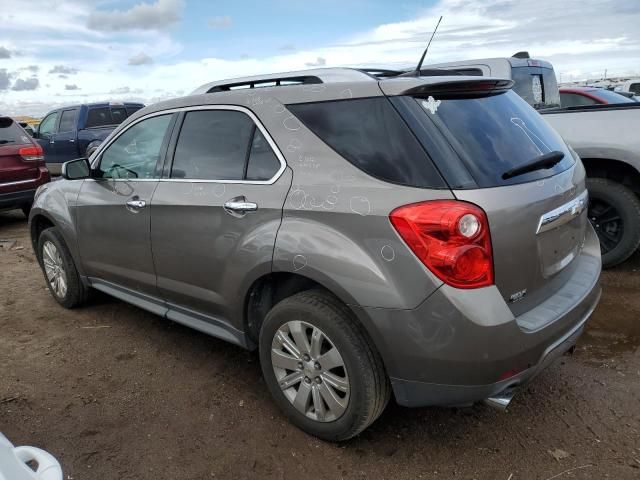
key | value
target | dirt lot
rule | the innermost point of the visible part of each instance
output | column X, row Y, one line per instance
column 117, row 393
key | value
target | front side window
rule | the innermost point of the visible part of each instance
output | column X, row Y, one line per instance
column 48, row 125
column 135, row 153
column 213, row 145
column 67, row 121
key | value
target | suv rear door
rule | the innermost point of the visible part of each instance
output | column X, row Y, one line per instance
column 215, row 214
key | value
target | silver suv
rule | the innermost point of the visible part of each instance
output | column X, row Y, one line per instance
column 425, row 236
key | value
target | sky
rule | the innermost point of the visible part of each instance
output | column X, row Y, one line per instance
column 60, row 52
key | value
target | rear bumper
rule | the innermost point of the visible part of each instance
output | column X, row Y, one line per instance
column 460, row 347
column 16, row 199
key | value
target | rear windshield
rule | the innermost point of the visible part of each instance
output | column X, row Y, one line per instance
column 491, row 135
column 537, row 86
column 11, row 133
column 106, row 116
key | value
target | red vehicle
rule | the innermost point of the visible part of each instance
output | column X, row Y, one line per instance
column 22, row 167
column 580, row 96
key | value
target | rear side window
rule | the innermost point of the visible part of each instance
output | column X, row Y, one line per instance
column 132, row 110
column 67, row 121
column 371, row 135
column 263, row 163
column 213, row 145
column 12, row 134
column 493, row 134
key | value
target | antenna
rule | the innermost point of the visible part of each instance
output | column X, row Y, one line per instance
column 424, row 54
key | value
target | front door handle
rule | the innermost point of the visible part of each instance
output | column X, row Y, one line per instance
column 239, row 206
column 135, row 205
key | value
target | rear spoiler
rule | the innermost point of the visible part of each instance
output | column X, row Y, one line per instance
column 450, row 86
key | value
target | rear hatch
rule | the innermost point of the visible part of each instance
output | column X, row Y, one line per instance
column 13, row 168
column 537, row 219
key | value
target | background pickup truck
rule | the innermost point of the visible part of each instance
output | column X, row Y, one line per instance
column 73, row 132
column 606, row 138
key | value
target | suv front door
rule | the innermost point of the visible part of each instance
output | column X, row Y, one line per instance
column 215, row 216
column 113, row 213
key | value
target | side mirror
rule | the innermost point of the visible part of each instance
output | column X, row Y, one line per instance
column 76, row 169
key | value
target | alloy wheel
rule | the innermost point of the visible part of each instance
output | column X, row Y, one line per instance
column 310, row 371
column 54, row 269
column 607, row 223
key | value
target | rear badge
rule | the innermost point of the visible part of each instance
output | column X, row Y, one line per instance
column 516, row 297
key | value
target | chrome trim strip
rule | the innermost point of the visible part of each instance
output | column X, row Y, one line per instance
column 564, row 213
column 258, row 123
column 18, row 182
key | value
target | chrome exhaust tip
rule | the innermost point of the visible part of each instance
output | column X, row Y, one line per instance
column 500, row 401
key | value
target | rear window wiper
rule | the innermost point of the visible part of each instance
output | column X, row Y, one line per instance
column 547, row 160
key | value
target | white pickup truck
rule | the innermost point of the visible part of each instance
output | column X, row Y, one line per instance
column 605, row 136
column 607, row 139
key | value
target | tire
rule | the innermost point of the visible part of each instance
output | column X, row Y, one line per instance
column 368, row 388
column 75, row 292
column 614, row 212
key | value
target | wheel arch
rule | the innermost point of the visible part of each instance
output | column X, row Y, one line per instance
column 269, row 289
column 617, row 170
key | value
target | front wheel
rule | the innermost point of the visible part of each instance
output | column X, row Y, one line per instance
column 59, row 270
column 614, row 212
column 320, row 368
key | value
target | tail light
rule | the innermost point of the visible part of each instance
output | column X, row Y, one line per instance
column 451, row 238
column 31, row 154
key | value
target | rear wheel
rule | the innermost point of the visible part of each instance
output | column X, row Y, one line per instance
column 614, row 212
column 59, row 270
column 320, row 368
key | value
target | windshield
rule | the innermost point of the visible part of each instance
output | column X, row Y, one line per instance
column 492, row 135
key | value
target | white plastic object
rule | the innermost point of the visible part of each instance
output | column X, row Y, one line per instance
column 13, row 463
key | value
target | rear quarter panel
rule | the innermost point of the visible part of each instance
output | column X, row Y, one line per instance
column 335, row 227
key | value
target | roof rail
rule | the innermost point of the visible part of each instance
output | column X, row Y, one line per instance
column 301, row 77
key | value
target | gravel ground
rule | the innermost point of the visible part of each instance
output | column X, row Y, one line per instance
column 117, row 393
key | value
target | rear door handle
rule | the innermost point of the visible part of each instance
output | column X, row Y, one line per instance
column 135, row 205
column 239, row 206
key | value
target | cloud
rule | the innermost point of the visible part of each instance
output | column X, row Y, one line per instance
column 64, row 70
column 220, row 23
column 4, row 53
column 71, row 87
column 4, row 79
column 28, row 84
column 120, row 91
column 33, row 68
column 320, row 62
column 140, row 59
column 143, row 16
column 288, row 47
